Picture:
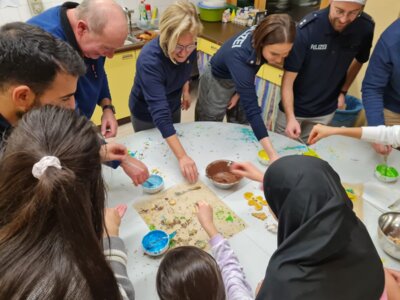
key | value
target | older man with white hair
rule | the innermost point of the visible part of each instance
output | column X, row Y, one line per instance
column 95, row 28
column 330, row 47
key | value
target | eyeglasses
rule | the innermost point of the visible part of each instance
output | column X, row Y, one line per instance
column 187, row 48
column 351, row 15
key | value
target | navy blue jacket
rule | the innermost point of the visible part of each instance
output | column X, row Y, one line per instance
column 381, row 85
column 93, row 86
column 5, row 130
column 321, row 56
column 236, row 60
column 157, row 89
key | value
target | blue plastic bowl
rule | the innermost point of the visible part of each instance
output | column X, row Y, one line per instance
column 155, row 242
column 153, row 184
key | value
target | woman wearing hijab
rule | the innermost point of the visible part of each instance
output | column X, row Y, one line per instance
column 324, row 250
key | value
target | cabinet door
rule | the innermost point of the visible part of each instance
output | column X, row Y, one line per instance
column 120, row 71
column 207, row 46
column 271, row 74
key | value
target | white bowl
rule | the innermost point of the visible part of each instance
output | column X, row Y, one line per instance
column 263, row 158
column 153, row 184
column 386, row 178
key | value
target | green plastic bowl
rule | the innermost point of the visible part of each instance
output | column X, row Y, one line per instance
column 210, row 14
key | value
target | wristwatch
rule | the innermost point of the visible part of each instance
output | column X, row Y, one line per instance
column 109, row 106
column 343, row 92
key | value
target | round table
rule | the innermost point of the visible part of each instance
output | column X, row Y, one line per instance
column 207, row 141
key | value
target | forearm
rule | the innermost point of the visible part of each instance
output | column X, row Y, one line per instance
column 354, row 132
column 287, row 93
column 185, row 88
column 176, row 146
column 352, row 72
column 116, row 256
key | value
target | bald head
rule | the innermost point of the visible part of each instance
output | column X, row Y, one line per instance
column 100, row 14
column 100, row 27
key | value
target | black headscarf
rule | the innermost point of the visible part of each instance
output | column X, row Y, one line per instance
column 324, row 251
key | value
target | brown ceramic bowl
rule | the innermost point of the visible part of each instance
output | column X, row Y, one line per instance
column 220, row 175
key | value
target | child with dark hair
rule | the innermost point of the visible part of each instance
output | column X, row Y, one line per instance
column 191, row 273
column 57, row 241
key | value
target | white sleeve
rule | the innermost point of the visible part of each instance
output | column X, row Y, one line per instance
column 388, row 135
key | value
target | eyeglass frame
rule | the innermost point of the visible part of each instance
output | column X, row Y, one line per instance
column 180, row 48
column 350, row 15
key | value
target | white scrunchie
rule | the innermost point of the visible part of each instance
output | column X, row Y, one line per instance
column 41, row 166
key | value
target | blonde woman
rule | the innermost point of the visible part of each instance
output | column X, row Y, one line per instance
column 161, row 86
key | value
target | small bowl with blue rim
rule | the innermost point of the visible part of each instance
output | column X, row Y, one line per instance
column 153, row 184
column 156, row 242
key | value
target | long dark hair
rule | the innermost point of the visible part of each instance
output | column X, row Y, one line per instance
column 51, row 228
column 189, row 273
column 274, row 29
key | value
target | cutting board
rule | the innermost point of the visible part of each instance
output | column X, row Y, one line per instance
column 174, row 210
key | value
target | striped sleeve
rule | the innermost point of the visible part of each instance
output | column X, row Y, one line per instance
column 115, row 253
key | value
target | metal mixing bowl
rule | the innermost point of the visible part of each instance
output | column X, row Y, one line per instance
column 389, row 228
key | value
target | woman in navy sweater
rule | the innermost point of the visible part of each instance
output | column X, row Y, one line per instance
column 232, row 70
column 161, row 86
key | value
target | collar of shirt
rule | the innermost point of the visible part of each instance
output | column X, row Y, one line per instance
column 252, row 59
column 5, row 129
column 69, row 33
column 4, row 125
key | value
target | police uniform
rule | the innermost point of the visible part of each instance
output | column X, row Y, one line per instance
column 321, row 57
column 232, row 69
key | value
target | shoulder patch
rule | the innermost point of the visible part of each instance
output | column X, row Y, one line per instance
column 307, row 19
column 367, row 17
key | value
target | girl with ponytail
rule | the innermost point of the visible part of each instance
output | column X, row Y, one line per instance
column 53, row 226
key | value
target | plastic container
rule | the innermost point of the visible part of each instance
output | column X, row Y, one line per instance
column 348, row 116
column 210, row 14
column 153, row 184
column 263, row 157
column 156, row 242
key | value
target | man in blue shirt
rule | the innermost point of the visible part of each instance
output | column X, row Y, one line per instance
column 330, row 47
column 37, row 69
column 381, row 85
column 95, row 28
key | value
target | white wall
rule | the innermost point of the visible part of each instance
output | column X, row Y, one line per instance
column 22, row 12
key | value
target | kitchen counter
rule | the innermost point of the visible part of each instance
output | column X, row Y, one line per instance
column 219, row 33
column 215, row 32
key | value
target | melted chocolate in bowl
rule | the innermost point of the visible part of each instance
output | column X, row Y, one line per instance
column 219, row 172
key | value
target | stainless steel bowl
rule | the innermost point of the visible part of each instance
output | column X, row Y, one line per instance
column 389, row 229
